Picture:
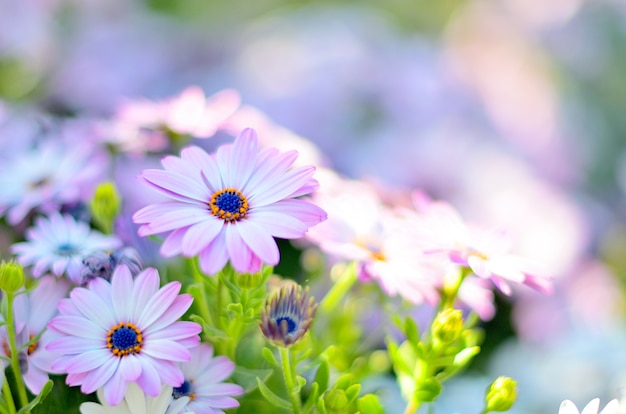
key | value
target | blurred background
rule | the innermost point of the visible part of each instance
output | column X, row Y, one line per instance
column 513, row 111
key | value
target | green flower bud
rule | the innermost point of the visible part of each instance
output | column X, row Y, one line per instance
column 448, row 326
column 105, row 206
column 427, row 390
column 501, row 394
column 11, row 276
column 249, row 280
column 335, row 401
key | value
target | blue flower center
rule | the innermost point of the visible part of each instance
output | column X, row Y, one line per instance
column 124, row 339
column 229, row 204
column 66, row 249
column 184, row 390
column 291, row 324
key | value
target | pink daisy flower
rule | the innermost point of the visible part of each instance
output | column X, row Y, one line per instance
column 33, row 311
column 229, row 205
column 121, row 332
column 204, row 386
column 59, row 244
column 484, row 251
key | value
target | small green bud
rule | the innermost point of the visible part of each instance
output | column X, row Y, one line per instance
column 249, row 280
column 427, row 390
column 11, row 276
column 105, row 206
column 335, row 401
column 501, row 394
column 448, row 326
column 369, row 404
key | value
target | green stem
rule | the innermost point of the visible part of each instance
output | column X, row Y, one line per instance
column 6, row 390
column 15, row 363
column 339, row 289
column 202, row 304
column 412, row 407
column 288, row 373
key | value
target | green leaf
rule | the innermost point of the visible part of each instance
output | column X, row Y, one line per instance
column 313, row 395
column 247, row 377
column 271, row 397
column 38, row 399
column 322, row 375
column 235, row 308
column 269, row 356
column 369, row 404
column 352, row 392
column 411, row 331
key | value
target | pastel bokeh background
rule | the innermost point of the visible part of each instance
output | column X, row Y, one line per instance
column 513, row 111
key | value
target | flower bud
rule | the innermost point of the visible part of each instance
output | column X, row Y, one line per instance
column 249, row 280
column 11, row 276
column 427, row 390
column 335, row 401
column 501, row 394
column 448, row 326
column 105, row 206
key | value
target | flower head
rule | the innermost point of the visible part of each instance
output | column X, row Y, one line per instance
column 484, row 251
column 46, row 176
column 568, row 407
column 204, row 386
column 33, row 311
column 230, row 205
column 137, row 402
column 59, row 243
column 102, row 264
column 124, row 331
column 288, row 315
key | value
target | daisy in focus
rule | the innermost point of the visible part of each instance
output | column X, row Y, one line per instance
column 204, row 386
column 59, row 243
column 113, row 334
column 229, row 205
column 137, row 402
column 568, row 407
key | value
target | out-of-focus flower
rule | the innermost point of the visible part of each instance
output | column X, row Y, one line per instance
column 501, row 394
column 484, row 251
column 568, row 407
column 360, row 228
column 46, row 176
column 59, row 243
column 204, row 375
column 102, row 264
column 33, row 311
column 137, row 402
column 230, row 205
column 288, row 315
column 116, row 333
column 143, row 125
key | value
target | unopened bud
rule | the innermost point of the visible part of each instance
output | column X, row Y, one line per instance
column 335, row 401
column 427, row 390
column 105, row 206
column 501, row 394
column 448, row 326
column 11, row 276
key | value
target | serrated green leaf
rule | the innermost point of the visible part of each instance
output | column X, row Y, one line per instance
column 271, row 397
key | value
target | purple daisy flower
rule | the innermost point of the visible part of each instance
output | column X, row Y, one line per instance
column 230, row 205
column 59, row 243
column 33, row 310
column 121, row 332
column 203, row 384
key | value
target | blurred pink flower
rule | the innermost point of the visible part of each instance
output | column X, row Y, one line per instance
column 485, row 252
